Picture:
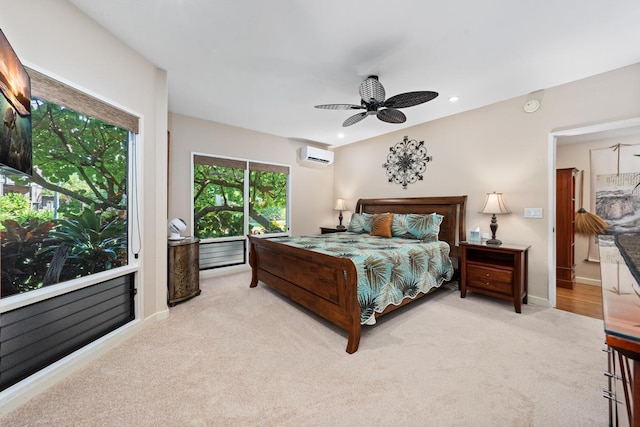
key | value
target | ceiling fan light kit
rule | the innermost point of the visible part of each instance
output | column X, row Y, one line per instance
column 372, row 99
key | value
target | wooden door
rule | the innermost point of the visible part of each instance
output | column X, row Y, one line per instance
column 565, row 227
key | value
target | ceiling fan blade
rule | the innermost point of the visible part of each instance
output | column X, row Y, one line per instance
column 340, row 107
column 409, row 99
column 391, row 116
column 370, row 89
column 354, row 119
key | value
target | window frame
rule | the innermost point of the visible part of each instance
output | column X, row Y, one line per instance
column 81, row 101
column 247, row 171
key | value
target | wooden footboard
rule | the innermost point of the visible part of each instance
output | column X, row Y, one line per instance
column 327, row 285
column 322, row 283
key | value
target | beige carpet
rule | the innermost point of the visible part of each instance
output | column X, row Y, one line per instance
column 238, row 356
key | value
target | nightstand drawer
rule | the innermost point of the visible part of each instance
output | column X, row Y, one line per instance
column 500, row 271
column 488, row 273
column 493, row 279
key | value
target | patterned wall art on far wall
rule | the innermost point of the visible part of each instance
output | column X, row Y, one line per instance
column 406, row 162
column 615, row 171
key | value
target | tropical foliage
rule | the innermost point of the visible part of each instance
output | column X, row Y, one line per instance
column 97, row 241
column 83, row 162
column 23, row 267
column 268, row 200
column 80, row 157
column 219, row 201
column 16, row 206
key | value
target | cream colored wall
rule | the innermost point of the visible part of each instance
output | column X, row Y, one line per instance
column 496, row 148
column 577, row 154
column 53, row 37
column 312, row 185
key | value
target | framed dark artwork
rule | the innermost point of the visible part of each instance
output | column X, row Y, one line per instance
column 15, row 110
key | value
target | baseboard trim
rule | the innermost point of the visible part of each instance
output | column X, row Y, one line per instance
column 19, row 393
column 587, row 281
column 538, row 301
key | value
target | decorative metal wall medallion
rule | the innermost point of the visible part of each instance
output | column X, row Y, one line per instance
column 407, row 162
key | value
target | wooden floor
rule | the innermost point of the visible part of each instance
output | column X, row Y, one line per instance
column 582, row 299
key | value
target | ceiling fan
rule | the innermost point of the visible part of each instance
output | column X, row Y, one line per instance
column 373, row 100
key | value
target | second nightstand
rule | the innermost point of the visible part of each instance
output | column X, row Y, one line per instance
column 498, row 271
column 327, row 230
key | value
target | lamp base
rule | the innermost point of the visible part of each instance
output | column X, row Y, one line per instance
column 494, row 227
column 340, row 227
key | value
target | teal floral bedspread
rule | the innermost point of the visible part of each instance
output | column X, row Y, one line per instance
column 388, row 269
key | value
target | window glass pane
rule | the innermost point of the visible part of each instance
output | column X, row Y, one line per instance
column 69, row 219
column 218, row 201
column 268, row 202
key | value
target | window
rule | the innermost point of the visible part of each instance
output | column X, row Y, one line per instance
column 232, row 198
column 70, row 219
column 268, row 198
column 218, row 197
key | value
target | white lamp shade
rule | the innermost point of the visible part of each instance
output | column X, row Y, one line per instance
column 341, row 205
column 494, row 204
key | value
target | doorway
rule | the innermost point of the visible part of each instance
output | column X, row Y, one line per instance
column 582, row 135
column 583, row 299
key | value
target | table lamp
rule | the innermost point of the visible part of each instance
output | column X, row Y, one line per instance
column 494, row 204
column 340, row 206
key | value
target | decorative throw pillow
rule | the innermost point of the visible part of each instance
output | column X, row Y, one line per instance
column 360, row 223
column 399, row 227
column 367, row 222
column 356, row 223
column 381, row 225
column 424, row 227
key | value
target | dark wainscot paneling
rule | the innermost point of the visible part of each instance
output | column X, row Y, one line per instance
column 222, row 254
column 34, row 336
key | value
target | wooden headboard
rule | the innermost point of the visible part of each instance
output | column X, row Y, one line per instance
column 453, row 208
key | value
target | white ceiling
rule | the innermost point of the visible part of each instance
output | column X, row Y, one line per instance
column 263, row 65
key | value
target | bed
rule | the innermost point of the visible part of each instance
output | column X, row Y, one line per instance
column 325, row 279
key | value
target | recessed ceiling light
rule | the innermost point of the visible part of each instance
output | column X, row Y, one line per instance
column 454, row 98
column 341, row 135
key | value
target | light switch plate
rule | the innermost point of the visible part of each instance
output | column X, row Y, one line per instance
column 533, row 212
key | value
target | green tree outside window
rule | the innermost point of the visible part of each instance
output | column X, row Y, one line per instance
column 78, row 224
column 219, row 197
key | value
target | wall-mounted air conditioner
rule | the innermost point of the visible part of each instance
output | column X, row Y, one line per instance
column 318, row 155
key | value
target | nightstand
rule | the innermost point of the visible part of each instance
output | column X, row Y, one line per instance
column 327, row 230
column 183, row 265
column 498, row 271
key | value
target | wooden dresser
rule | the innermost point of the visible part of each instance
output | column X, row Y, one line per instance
column 621, row 312
column 183, row 266
column 565, row 227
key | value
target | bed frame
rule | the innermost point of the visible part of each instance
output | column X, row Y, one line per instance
column 327, row 285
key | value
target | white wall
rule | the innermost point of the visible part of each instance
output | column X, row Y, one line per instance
column 312, row 195
column 496, row 148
